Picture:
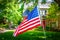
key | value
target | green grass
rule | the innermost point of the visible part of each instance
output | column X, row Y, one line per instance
column 31, row 35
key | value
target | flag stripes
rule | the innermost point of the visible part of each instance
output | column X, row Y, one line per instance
column 27, row 25
column 28, row 28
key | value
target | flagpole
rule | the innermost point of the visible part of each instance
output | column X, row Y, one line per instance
column 44, row 32
column 41, row 22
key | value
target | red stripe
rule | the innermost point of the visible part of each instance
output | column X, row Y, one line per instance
column 24, row 20
column 29, row 25
column 27, row 29
column 22, row 24
column 29, row 21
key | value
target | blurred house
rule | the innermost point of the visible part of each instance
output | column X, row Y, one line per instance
column 44, row 9
column 54, row 23
column 44, row 6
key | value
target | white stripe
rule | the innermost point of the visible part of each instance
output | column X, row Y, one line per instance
column 29, row 20
column 28, row 27
column 29, row 23
column 21, row 24
column 25, row 20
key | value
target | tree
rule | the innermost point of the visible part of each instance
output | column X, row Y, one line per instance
column 9, row 12
column 52, row 17
column 53, row 10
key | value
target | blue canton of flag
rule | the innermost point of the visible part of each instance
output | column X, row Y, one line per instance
column 33, row 14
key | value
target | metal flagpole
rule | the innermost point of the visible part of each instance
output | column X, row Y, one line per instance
column 43, row 25
column 41, row 22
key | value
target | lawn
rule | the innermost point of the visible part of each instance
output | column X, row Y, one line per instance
column 30, row 35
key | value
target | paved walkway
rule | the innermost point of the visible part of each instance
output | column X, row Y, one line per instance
column 5, row 31
column 8, row 30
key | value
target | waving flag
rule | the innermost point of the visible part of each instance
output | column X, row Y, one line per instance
column 30, row 22
column 26, row 13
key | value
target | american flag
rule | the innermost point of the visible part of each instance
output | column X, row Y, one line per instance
column 29, row 22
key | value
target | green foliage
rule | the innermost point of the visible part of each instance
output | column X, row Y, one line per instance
column 52, row 10
column 30, row 35
column 39, row 28
column 52, row 17
column 9, row 12
column 28, row 1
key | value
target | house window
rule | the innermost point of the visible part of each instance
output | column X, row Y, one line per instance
column 43, row 12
